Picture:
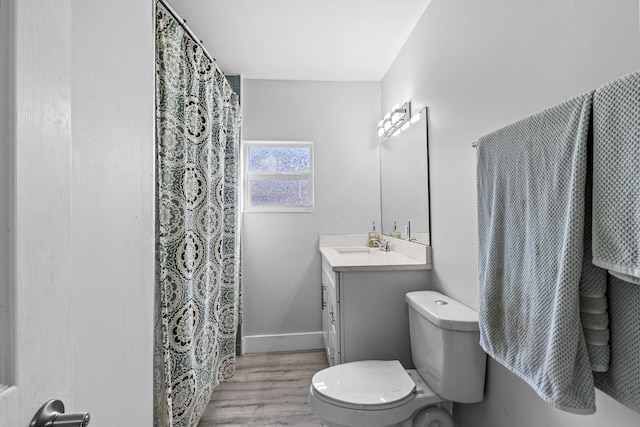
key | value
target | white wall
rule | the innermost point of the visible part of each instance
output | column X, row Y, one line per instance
column 480, row 65
column 112, row 192
column 281, row 263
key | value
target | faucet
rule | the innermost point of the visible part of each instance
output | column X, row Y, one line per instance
column 383, row 245
column 407, row 230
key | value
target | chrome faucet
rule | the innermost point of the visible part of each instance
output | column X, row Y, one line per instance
column 383, row 245
column 407, row 230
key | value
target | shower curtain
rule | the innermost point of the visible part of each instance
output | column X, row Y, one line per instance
column 197, row 240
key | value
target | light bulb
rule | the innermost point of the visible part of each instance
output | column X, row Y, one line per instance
column 380, row 131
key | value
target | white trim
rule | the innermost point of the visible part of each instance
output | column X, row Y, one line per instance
column 282, row 342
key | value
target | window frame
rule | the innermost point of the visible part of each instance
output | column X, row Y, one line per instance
column 248, row 176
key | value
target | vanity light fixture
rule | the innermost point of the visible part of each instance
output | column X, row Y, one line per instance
column 396, row 121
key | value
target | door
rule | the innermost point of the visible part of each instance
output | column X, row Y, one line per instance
column 35, row 215
column 77, row 208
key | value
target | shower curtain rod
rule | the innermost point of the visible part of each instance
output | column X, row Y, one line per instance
column 183, row 24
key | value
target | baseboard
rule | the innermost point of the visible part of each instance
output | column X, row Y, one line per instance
column 282, row 342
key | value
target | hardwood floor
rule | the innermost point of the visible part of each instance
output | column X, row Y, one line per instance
column 269, row 389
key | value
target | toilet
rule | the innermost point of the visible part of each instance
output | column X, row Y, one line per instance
column 449, row 367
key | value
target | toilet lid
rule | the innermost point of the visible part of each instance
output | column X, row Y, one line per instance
column 367, row 382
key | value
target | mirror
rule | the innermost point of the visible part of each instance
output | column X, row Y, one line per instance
column 404, row 182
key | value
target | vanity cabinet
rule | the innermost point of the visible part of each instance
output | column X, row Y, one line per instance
column 364, row 313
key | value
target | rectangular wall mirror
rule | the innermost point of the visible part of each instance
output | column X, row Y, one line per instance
column 404, row 182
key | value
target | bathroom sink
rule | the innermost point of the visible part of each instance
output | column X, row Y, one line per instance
column 352, row 253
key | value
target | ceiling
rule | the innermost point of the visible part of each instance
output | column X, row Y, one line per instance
column 333, row 40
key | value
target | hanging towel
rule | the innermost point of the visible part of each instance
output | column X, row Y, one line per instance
column 593, row 284
column 531, row 204
column 616, row 184
column 622, row 381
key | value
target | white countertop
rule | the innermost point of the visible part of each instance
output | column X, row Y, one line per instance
column 351, row 254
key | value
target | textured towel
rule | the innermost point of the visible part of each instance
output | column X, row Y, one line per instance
column 593, row 285
column 622, row 381
column 531, row 204
column 616, row 178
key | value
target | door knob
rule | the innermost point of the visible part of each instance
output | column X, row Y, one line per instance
column 51, row 414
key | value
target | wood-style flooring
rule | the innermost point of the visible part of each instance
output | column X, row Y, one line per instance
column 269, row 389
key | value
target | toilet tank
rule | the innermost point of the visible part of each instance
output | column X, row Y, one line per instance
column 445, row 346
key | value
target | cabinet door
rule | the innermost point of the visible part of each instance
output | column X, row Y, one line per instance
column 374, row 320
column 331, row 315
column 327, row 335
column 333, row 356
column 330, row 311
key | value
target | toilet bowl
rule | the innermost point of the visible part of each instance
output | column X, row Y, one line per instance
column 450, row 366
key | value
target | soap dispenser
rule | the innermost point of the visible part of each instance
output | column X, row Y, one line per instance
column 395, row 233
column 374, row 237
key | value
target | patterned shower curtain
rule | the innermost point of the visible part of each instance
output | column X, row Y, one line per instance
column 197, row 241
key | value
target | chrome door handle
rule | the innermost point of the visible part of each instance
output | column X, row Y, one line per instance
column 51, row 414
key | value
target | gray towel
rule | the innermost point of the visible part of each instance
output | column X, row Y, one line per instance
column 622, row 381
column 593, row 287
column 616, row 178
column 531, row 205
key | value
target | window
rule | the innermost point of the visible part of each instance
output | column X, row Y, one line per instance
column 278, row 176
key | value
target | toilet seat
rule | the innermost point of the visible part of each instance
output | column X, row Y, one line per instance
column 335, row 407
column 376, row 384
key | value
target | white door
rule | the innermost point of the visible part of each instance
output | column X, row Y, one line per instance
column 35, row 250
column 77, row 209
